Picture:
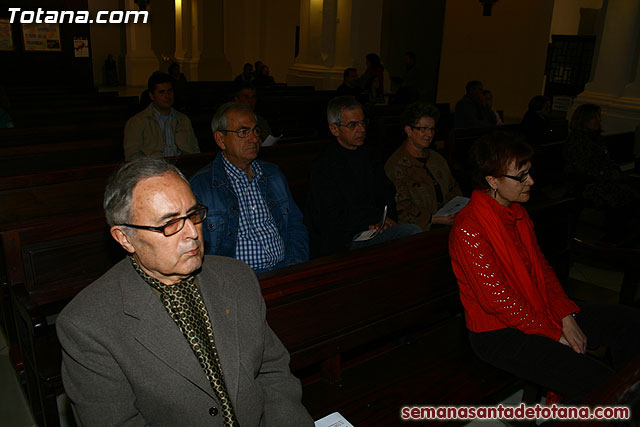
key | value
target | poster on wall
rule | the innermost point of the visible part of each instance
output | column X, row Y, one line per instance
column 41, row 37
column 6, row 40
column 80, row 47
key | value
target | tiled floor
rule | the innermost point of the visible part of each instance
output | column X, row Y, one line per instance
column 14, row 411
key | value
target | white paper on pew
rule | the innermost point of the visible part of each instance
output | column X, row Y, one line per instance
column 271, row 140
column 370, row 234
column 333, row 420
column 454, row 206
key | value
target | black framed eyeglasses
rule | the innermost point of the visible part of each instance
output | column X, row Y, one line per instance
column 354, row 124
column 175, row 225
column 244, row 131
column 424, row 129
column 520, row 178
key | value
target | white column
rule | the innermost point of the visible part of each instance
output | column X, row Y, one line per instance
column 616, row 80
column 334, row 35
column 213, row 65
column 140, row 60
column 187, row 28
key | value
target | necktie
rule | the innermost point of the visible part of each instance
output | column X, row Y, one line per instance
column 186, row 307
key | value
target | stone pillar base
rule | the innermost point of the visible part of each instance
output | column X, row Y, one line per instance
column 619, row 114
column 214, row 69
column 139, row 69
column 321, row 77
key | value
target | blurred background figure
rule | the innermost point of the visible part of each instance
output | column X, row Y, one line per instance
column 535, row 123
column 488, row 103
column 247, row 75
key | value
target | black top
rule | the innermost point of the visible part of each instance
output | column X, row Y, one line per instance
column 349, row 190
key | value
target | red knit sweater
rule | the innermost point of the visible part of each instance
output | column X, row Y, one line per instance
column 504, row 279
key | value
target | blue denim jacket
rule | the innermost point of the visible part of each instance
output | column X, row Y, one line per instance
column 213, row 189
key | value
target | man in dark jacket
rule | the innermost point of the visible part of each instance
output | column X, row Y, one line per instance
column 349, row 189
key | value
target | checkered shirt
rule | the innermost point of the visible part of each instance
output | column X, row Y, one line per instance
column 259, row 244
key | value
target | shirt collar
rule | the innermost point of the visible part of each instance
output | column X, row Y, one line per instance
column 157, row 114
column 238, row 174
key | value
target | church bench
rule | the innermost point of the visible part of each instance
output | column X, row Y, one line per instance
column 46, row 263
column 21, row 160
column 375, row 329
column 341, row 317
column 35, row 117
column 50, row 193
column 37, row 197
column 61, row 133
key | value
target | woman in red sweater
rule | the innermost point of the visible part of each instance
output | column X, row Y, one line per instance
column 519, row 317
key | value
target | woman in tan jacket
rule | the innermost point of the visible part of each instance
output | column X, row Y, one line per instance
column 422, row 177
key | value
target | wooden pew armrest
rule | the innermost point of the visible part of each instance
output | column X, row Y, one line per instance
column 31, row 313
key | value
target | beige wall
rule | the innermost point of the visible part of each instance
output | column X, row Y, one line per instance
column 106, row 39
column 566, row 15
column 261, row 30
column 506, row 51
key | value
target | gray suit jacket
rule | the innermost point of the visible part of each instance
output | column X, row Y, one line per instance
column 125, row 362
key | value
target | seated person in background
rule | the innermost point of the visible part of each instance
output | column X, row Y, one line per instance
column 246, row 94
column 535, row 124
column 422, row 177
column 257, row 69
column 487, row 99
column 409, row 90
column 470, row 110
column 159, row 130
column 517, row 313
column 596, row 178
column 263, row 79
column 247, row 74
column 138, row 345
column 349, row 189
column 349, row 86
column 252, row 215
column 179, row 86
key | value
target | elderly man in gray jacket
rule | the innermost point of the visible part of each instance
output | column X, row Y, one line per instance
column 169, row 337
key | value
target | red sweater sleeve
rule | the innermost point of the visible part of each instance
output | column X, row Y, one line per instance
column 485, row 292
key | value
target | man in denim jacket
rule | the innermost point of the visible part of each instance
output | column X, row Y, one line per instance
column 252, row 215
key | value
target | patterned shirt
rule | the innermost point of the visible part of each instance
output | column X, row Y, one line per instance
column 259, row 244
column 166, row 125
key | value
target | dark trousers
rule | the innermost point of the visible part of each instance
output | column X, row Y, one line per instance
column 556, row 366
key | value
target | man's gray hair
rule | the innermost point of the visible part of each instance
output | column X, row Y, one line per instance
column 339, row 103
column 219, row 120
column 119, row 191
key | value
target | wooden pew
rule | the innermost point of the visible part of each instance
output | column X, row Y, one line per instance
column 342, row 317
column 374, row 329
column 56, row 192
column 48, row 262
column 61, row 133
column 75, row 191
column 21, row 160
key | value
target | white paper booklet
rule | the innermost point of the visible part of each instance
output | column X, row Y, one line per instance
column 271, row 140
column 333, row 420
column 454, row 206
column 370, row 234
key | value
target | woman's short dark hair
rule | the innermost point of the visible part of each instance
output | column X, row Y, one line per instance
column 492, row 155
column 375, row 60
column 584, row 114
column 414, row 112
column 537, row 102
